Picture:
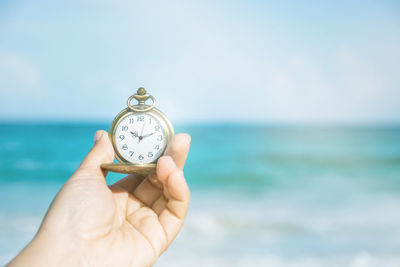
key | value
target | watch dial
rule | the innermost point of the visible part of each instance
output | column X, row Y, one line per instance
column 139, row 138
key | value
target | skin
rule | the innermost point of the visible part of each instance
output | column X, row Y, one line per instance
column 130, row 223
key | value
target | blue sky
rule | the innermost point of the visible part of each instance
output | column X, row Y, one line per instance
column 243, row 61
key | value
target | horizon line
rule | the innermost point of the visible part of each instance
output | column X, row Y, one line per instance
column 49, row 121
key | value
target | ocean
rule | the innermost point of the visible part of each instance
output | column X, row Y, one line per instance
column 262, row 195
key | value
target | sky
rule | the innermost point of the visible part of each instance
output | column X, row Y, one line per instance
column 204, row 61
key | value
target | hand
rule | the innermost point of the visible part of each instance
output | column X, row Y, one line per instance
column 130, row 223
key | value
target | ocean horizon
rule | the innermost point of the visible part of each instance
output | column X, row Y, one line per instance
column 262, row 194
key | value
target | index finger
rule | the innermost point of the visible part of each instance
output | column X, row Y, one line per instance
column 178, row 149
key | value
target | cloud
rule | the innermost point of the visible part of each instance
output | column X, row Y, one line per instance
column 17, row 75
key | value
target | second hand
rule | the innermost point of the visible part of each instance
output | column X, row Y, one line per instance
column 141, row 133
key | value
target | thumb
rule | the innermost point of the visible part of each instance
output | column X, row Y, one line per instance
column 101, row 152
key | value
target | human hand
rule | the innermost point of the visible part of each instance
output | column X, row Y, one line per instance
column 130, row 223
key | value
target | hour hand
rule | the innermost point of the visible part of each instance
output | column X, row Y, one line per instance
column 135, row 134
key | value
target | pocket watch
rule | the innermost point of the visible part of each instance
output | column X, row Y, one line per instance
column 139, row 134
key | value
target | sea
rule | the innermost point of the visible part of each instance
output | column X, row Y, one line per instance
column 261, row 195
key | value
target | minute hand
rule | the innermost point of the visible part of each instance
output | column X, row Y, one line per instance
column 147, row 135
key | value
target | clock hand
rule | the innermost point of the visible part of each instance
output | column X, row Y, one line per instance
column 141, row 133
column 134, row 134
column 147, row 135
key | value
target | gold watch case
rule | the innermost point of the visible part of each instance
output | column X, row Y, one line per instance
column 125, row 166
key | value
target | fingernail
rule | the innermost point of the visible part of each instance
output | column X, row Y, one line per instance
column 169, row 160
column 98, row 135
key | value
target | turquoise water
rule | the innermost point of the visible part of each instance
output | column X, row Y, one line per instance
column 261, row 195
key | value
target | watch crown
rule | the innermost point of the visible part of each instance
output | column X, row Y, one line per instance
column 141, row 96
column 141, row 91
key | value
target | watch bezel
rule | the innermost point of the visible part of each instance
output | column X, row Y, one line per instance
column 161, row 117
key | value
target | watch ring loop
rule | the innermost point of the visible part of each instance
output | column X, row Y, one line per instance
column 141, row 107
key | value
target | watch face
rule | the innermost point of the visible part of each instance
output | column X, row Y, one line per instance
column 140, row 138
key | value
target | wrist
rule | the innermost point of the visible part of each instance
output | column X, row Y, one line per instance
column 47, row 250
